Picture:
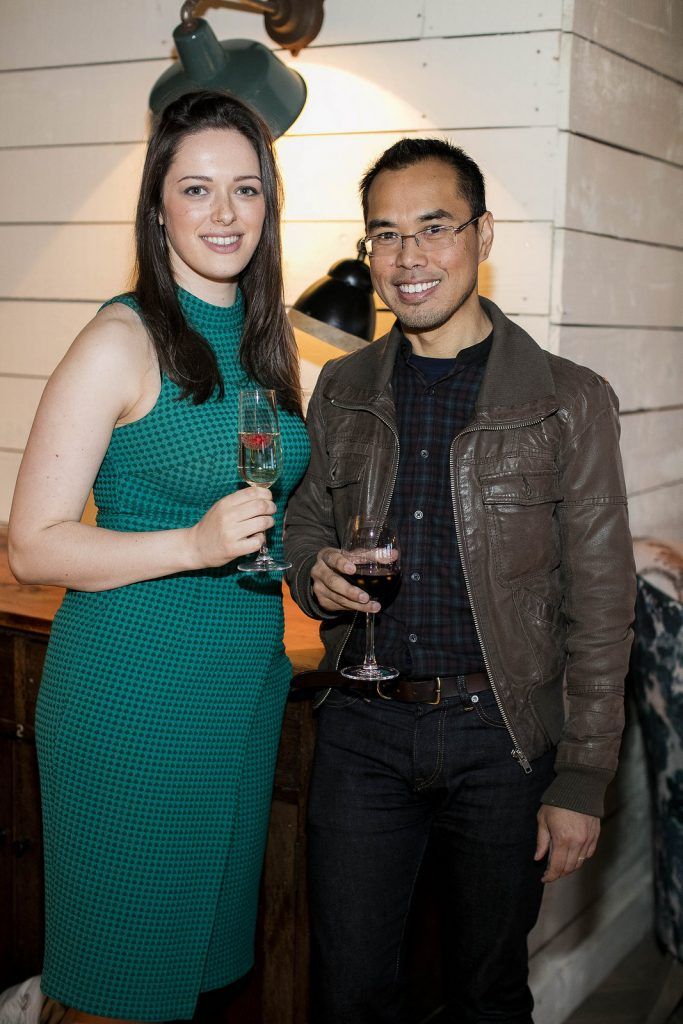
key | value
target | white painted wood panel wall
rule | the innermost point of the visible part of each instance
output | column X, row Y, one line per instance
column 617, row 301
column 578, row 139
column 572, row 107
column 73, row 123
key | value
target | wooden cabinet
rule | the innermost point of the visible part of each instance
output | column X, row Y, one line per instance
column 21, row 846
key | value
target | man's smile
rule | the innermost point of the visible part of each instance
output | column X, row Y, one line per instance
column 411, row 290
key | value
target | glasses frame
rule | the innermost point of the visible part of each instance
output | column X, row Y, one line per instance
column 455, row 231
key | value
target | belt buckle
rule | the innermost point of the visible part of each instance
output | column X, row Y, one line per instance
column 432, row 703
column 438, row 692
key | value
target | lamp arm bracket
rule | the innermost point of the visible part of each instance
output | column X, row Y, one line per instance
column 296, row 23
column 258, row 6
column 291, row 23
column 187, row 11
column 264, row 7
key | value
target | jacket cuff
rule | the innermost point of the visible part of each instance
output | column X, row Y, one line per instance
column 577, row 789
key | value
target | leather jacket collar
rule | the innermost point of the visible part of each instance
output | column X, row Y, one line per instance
column 517, row 385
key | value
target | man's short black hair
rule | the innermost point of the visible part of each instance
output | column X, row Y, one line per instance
column 407, row 152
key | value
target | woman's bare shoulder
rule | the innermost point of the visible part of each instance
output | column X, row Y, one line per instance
column 120, row 327
column 114, row 340
column 112, row 359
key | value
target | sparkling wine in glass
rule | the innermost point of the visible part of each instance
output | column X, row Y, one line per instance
column 373, row 547
column 260, row 458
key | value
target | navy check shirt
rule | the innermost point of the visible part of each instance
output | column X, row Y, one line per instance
column 428, row 630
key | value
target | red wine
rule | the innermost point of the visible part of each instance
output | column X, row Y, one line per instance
column 381, row 585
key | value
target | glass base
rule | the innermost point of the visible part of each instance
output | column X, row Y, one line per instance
column 370, row 673
column 267, row 564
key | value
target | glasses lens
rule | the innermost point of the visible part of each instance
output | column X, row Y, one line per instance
column 439, row 236
column 387, row 242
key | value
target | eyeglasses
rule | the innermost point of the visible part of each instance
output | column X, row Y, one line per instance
column 431, row 239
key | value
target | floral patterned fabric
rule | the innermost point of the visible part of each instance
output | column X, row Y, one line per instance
column 657, row 678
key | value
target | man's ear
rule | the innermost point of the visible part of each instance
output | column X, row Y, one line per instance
column 485, row 235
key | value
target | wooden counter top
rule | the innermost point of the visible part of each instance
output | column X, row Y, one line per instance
column 32, row 608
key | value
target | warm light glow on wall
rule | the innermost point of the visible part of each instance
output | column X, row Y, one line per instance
column 321, row 166
column 340, row 100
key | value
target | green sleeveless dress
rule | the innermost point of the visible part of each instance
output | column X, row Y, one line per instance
column 158, row 723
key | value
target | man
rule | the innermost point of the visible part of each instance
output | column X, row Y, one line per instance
column 500, row 465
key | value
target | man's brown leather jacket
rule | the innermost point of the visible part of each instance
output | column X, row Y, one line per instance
column 540, row 512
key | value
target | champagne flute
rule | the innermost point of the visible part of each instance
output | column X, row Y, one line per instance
column 260, row 457
column 374, row 548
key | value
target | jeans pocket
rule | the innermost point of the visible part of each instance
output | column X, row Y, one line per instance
column 487, row 709
column 339, row 698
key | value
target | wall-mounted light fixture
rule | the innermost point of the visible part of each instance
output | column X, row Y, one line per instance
column 343, row 298
column 245, row 68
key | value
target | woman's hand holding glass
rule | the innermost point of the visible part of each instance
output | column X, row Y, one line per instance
column 232, row 528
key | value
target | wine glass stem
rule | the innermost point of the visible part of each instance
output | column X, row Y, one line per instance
column 263, row 553
column 369, row 661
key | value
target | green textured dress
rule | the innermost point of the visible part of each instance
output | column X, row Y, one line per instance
column 158, row 723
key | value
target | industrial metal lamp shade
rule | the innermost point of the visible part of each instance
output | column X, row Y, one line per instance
column 247, row 69
column 343, row 298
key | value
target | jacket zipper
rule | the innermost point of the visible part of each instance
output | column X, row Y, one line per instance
column 517, row 751
column 362, row 408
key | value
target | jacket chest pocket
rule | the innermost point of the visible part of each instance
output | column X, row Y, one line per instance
column 345, row 486
column 521, row 522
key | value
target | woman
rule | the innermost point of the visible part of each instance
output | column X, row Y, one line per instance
column 164, row 685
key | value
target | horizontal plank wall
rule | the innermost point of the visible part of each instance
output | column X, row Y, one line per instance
column 617, row 303
column 73, row 123
column 592, row 919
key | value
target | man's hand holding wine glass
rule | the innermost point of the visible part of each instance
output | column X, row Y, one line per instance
column 333, row 591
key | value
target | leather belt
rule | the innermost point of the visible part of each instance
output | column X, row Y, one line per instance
column 429, row 691
column 409, row 691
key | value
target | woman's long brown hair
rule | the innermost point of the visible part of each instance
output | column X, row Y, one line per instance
column 267, row 351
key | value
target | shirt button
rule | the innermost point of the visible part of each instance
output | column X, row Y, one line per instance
column 474, row 698
column 418, row 514
column 431, row 391
column 412, row 637
column 424, row 453
column 415, row 577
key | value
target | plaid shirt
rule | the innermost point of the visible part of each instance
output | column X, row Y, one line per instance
column 428, row 630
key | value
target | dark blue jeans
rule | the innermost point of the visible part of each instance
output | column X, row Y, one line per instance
column 387, row 779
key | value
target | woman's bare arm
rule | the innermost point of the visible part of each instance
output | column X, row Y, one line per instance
column 108, row 377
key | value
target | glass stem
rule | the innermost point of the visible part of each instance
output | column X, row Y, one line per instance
column 263, row 554
column 369, row 661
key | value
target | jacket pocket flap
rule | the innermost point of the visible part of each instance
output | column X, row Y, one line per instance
column 539, row 607
column 520, row 489
column 345, row 469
